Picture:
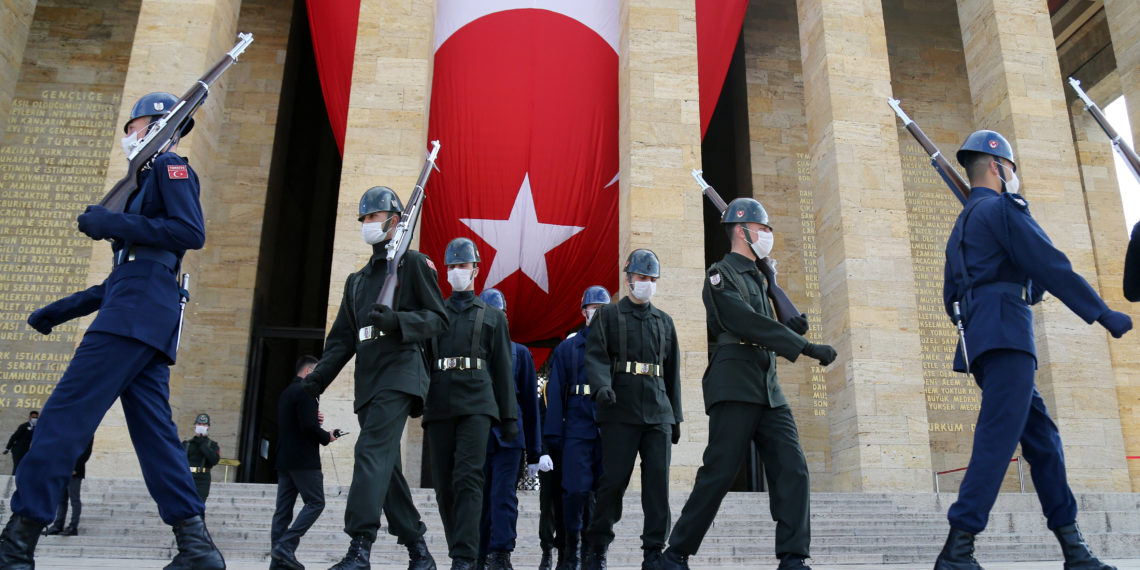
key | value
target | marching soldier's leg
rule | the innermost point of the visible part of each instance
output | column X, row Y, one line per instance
column 730, row 429
column 778, row 443
column 441, row 446
column 655, row 451
column 1041, row 446
column 376, row 455
column 619, row 451
column 404, row 521
column 470, row 453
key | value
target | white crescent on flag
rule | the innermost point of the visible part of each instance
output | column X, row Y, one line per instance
column 598, row 15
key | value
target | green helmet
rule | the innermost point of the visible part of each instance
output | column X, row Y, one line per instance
column 203, row 419
column 643, row 262
column 460, row 250
column 379, row 199
column 743, row 211
column 986, row 142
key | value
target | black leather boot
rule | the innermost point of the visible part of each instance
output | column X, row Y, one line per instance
column 1076, row 551
column 793, row 562
column 196, row 550
column 651, row 559
column 18, row 543
column 462, row 564
column 71, row 530
column 593, row 557
column 499, row 560
column 359, row 551
column 545, row 563
column 283, row 555
column 568, row 557
column 418, row 556
column 674, row 561
column 958, row 552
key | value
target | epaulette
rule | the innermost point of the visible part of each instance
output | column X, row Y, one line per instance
column 1018, row 200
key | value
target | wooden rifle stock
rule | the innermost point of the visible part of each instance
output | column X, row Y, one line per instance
column 949, row 174
column 1118, row 143
column 402, row 236
column 785, row 309
column 169, row 128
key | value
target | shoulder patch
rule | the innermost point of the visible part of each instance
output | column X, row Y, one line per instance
column 177, row 172
column 715, row 278
column 1018, row 200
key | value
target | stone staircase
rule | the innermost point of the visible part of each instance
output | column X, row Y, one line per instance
column 120, row 521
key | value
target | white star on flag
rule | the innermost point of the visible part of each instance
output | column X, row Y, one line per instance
column 521, row 241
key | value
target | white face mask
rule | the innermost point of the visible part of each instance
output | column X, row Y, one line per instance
column 590, row 316
column 460, row 279
column 762, row 244
column 1013, row 183
column 373, row 232
column 130, row 142
column 643, row 290
column 201, row 429
column 32, row 422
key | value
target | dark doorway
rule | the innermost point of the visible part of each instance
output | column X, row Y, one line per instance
column 726, row 158
column 294, row 264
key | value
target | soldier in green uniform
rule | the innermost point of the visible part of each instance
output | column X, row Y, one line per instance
column 743, row 398
column 633, row 366
column 472, row 388
column 390, row 381
column 203, row 454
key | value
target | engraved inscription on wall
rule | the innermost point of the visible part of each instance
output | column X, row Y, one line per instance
column 53, row 162
column 811, row 280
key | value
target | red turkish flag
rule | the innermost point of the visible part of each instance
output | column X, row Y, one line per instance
column 524, row 102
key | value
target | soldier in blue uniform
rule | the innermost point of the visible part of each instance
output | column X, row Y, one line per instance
column 501, row 471
column 571, row 427
column 126, row 354
column 998, row 263
column 551, row 534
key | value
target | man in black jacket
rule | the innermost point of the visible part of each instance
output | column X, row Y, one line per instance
column 73, row 489
column 299, row 433
column 21, row 440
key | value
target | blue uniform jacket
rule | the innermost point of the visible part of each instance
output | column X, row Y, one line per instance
column 1005, row 249
column 526, row 392
column 139, row 299
column 567, row 416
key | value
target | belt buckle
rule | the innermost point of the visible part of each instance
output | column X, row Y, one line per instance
column 365, row 333
column 642, row 368
column 449, row 363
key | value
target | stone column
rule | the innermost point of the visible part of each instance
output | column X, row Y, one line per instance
column 1124, row 28
column 384, row 145
column 15, row 20
column 1016, row 87
column 174, row 44
column 879, row 437
column 659, row 144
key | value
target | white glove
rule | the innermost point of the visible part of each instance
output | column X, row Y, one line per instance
column 532, row 470
column 545, row 463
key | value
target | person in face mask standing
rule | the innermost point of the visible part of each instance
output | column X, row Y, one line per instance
column 743, row 398
column 21, row 439
column 203, row 454
column 390, row 381
column 125, row 354
column 472, row 388
column 571, row 429
column 633, row 366
column 998, row 263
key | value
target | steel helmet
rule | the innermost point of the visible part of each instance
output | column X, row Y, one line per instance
column 203, row 419
column 643, row 262
column 379, row 199
column 986, row 142
column 494, row 298
column 460, row 250
column 155, row 105
column 595, row 295
column 745, row 210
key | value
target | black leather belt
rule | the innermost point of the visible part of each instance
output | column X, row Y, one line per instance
column 460, row 363
column 729, row 338
column 199, row 469
column 166, row 258
column 639, row 368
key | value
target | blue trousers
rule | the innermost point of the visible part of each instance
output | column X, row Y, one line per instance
column 580, row 476
column 500, row 498
column 1012, row 412
column 106, row 367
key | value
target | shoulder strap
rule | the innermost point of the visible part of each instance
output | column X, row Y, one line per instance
column 661, row 341
column 967, row 283
column 477, row 334
column 621, row 336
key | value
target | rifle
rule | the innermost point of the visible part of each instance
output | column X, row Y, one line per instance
column 1118, row 144
column 168, row 128
column 785, row 309
column 949, row 174
column 402, row 236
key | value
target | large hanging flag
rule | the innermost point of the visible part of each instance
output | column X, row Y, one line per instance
column 524, row 101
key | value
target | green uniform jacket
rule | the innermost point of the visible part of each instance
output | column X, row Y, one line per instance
column 396, row 361
column 201, row 451
column 736, row 300
column 488, row 391
column 651, row 338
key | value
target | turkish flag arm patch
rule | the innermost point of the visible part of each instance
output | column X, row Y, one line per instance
column 177, row 172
